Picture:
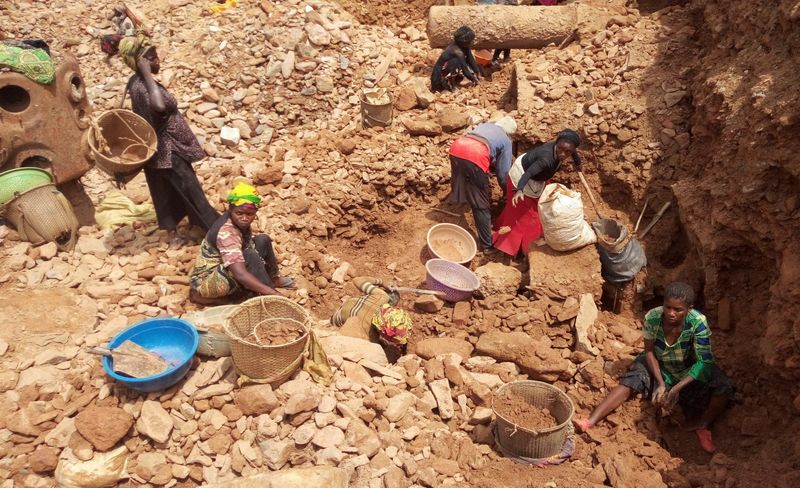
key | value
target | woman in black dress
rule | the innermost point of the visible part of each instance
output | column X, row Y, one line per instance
column 174, row 187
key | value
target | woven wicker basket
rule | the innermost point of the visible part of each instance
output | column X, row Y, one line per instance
column 44, row 215
column 530, row 443
column 271, row 364
column 121, row 143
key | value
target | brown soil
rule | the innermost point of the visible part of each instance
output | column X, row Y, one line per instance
column 35, row 326
column 449, row 249
column 729, row 232
column 565, row 273
column 516, row 409
column 273, row 334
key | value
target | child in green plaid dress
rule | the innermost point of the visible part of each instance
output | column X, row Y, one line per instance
column 677, row 367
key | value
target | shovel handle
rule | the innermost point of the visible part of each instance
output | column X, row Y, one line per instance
column 591, row 195
column 100, row 351
column 104, row 351
column 420, row 291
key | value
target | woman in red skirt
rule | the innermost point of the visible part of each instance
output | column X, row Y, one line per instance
column 518, row 225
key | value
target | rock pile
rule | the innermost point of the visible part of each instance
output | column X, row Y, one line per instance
column 602, row 85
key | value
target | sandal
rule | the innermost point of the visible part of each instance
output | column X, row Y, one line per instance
column 285, row 282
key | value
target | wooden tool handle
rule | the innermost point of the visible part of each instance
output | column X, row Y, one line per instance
column 591, row 195
column 104, row 351
column 420, row 291
column 641, row 214
column 655, row 219
column 100, row 351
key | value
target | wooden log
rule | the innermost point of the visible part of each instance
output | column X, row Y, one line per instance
column 503, row 27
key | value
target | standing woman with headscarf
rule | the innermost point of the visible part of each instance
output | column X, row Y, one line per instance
column 519, row 225
column 174, row 187
column 471, row 157
column 232, row 259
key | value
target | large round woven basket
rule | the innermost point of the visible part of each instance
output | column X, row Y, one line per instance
column 122, row 143
column 44, row 215
column 271, row 364
column 529, row 443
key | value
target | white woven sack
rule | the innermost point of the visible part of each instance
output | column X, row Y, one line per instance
column 561, row 213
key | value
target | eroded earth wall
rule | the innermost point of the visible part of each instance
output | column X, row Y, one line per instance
column 737, row 186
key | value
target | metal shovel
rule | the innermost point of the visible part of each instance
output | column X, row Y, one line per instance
column 133, row 360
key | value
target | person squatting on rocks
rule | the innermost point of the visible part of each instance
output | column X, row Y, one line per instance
column 173, row 184
column 471, row 156
column 378, row 317
column 528, row 176
column 231, row 259
column 456, row 62
column 677, row 367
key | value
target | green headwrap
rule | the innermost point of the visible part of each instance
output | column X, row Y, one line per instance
column 242, row 194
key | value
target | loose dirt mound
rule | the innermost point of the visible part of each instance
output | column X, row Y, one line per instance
column 449, row 249
column 516, row 409
column 556, row 273
column 269, row 333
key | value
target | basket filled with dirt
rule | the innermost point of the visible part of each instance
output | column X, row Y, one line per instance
column 533, row 418
column 268, row 336
column 276, row 332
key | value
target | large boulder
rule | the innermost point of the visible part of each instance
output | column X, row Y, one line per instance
column 453, row 118
column 536, row 358
column 425, row 96
column 429, row 348
column 421, row 127
column 318, row 477
column 154, row 422
column 498, row 279
column 103, row 427
column 353, row 349
column 256, row 400
column 406, row 98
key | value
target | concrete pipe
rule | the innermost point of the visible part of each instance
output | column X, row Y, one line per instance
column 503, row 27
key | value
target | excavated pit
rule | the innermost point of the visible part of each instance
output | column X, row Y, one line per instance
column 713, row 132
column 739, row 272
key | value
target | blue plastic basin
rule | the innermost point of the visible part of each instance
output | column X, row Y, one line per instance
column 173, row 339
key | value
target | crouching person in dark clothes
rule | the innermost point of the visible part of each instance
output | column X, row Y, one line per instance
column 676, row 367
column 231, row 259
column 456, row 62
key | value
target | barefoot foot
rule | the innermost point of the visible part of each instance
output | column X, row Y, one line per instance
column 582, row 425
column 706, row 441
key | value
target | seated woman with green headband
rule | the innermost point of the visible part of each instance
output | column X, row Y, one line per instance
column 231, row 259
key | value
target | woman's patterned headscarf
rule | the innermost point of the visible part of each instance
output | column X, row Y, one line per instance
column 129, row 22
column 133, row 48
column 393, row 324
